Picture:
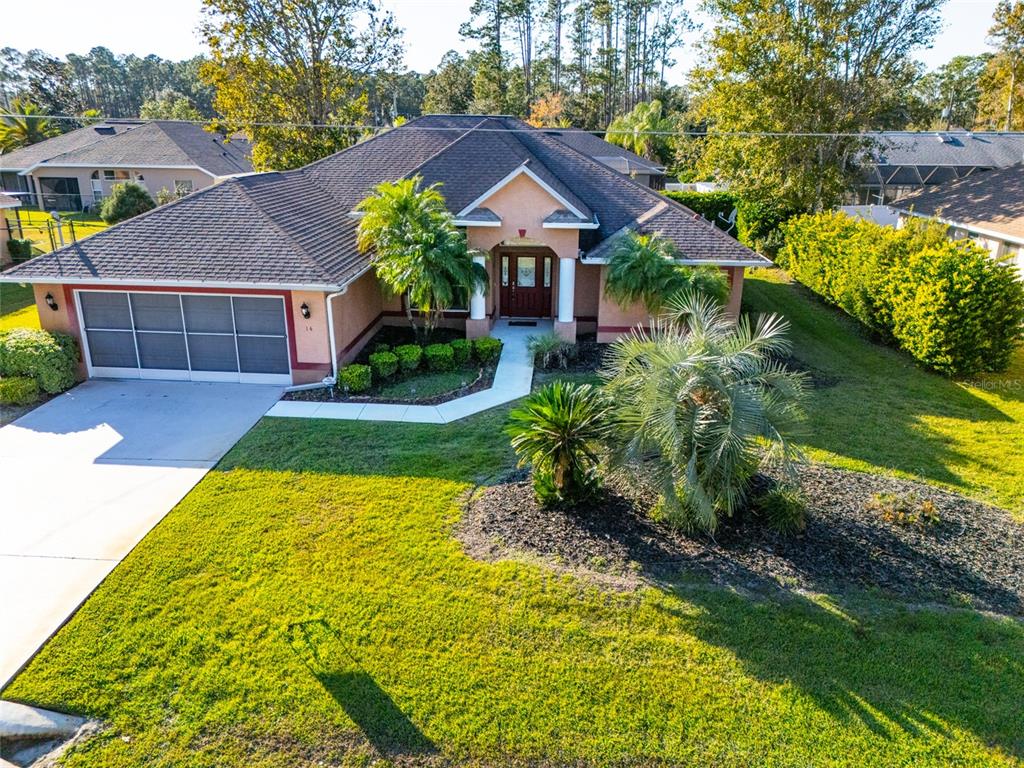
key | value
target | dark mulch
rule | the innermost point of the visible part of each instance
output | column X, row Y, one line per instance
column 974, row 556
column 477, row 378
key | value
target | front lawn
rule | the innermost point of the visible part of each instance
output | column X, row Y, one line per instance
column 17, row 307
column 875, row 410
column 307, row 602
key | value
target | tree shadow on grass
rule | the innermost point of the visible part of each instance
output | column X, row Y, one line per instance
column 879, row 398
column 893, row 669
column 369, row 706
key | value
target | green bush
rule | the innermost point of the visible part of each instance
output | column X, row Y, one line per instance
column 784, row 508
column 559, row 432
column 549, row 351
column 49, row 358
column 440, row 357
column 487, row 349
column 18, row 390
column 126, row 201
column 946, row 302
column 409, row 356
column 20, row 250
column 758, row 224
column 713, row 206
column 462, row 349
column 381, row 347
column 384, row 364
column 355, row 378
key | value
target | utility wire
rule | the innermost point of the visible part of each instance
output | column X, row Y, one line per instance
column 412, row 126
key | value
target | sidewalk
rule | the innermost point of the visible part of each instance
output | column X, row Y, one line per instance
column 512, row 380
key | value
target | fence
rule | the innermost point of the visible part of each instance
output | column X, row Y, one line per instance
column 48, row 235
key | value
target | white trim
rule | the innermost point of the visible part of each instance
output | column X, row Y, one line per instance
column 213, row 286
column 580, row 225
column 515, row 174
column 693, row 262
column 470, row 223
column 971, row 228
column 101, row 166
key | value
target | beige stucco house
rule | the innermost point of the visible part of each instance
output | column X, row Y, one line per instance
column 987, row 207
column 258, row 278
column 76, row 170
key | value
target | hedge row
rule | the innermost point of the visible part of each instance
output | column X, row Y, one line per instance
column 757, row 223
column 947, row 302
column 51, row 359
column 386, row 362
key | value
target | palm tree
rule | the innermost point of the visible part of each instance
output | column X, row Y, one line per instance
column 694, row 401
column 417, row 251
column 644, row 131
column 643, row 268
column 559, row 431
column 24, row 126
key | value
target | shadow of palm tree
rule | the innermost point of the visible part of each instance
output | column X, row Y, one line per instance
column 369, row 706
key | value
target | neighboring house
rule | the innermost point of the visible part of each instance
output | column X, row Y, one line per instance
column 903, row 163
column 258, row 278
column 6, row 230
column 988, row 208
column 76, row 170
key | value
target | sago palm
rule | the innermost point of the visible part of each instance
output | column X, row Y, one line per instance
column 24, row 126
column 559, row 431
column 418, row 253
column 697, row 402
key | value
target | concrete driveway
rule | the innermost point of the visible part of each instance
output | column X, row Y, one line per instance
column 84, row 477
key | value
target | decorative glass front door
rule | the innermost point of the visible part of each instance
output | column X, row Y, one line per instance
column 525, row 284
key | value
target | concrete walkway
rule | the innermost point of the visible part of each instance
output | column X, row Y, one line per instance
column 512, row 380
column 87, row 475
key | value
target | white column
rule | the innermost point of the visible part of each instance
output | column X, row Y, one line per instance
column 477, row 304
column 566, row 290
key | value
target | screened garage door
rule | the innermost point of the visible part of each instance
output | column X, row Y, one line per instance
column 202, row 337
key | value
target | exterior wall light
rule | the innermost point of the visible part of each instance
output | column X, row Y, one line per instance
column 304, row 309
column 50, row 301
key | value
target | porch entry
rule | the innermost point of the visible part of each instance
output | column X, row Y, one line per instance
column 526, row 282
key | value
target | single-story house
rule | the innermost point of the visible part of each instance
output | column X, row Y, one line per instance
column 988, row 208
column 901, row 163
column 7, row 202
column 76, row 170
column 258, row 278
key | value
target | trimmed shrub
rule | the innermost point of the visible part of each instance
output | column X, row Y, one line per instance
column 18, row 390
column 549, row 351
column 784, row 509
column 713, row 206
column 384, row 364
column 487, row 349
column 381, row 347
column 126, row 201
column 462, row 349
column 946, row 302
column 409, row 356
column 355, row 378
column 440, row 357
column 49, row 358
column 758, row 224
column 20, row 250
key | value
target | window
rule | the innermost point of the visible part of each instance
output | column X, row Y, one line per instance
column 182, row 187
column 108, row 175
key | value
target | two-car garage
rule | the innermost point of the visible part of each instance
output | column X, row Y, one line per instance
column 190, row 336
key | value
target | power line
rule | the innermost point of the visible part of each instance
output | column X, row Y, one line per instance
column 412, row 126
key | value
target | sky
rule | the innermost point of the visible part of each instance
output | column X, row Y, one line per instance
column 167, row 28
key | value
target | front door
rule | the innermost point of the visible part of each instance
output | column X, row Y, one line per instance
column 525, row 284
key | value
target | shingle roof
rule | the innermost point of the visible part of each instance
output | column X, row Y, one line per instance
column 958, row 148
column 483, row 216
column 26, row 157
column 294, row 227
column 612, row 155
column 992, row 201
column 154, row 143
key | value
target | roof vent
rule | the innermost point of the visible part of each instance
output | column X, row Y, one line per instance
column 945, row 138
column 104, row 130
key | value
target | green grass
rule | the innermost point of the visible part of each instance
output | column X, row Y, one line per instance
column 426, row 384
column 308, row 602
column 34, row 224
column 886, row 414
column 17, row 307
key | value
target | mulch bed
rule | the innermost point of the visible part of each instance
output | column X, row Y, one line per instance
column 974, row 556
column 484, row 376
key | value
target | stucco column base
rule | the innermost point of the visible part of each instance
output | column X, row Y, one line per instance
column 477, row 328
column 566, row 331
